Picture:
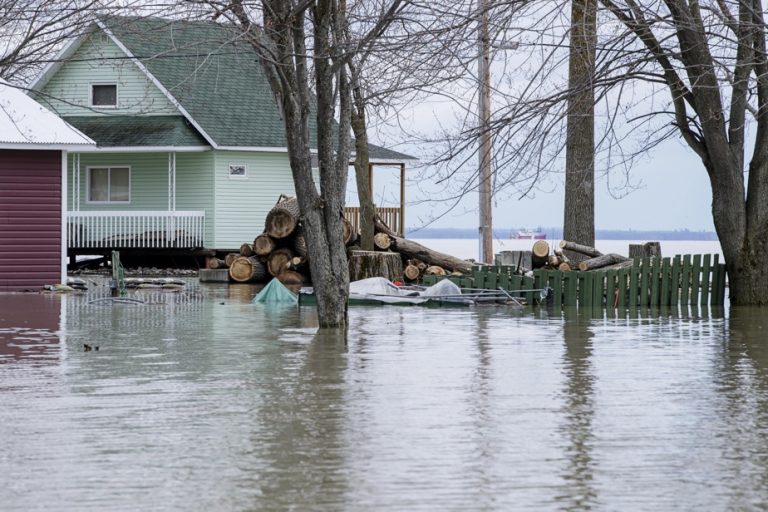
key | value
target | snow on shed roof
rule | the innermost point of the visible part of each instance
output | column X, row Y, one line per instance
column 25, row 124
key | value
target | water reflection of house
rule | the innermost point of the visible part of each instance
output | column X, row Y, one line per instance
column 31, row 327
column 33, row 152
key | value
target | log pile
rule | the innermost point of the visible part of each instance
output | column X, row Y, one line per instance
column 281, row 251
column 417, row 260
column 592, row 258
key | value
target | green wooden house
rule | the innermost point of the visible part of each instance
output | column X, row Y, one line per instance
column 191, row 149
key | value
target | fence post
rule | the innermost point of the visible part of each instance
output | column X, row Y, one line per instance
column 705, row 272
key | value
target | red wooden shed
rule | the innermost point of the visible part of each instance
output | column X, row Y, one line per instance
column 33, row 190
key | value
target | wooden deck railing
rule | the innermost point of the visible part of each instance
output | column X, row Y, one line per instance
column 390, row 216
column 135, row 229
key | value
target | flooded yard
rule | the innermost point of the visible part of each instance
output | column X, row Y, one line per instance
column 200, row 400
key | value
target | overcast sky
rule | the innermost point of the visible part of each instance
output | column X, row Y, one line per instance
column 671, row 192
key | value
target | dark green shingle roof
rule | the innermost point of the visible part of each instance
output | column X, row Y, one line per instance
column 212, row 72
column 217, row 78
column 116, row 131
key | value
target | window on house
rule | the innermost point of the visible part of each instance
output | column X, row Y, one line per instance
column 237, row 171
column 109, row 185
column 104, row 95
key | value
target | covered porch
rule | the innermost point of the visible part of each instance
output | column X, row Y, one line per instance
column 115, row 203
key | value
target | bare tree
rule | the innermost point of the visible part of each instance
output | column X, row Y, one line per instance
column 305, row 49
column 32, row 31
column 710, row 57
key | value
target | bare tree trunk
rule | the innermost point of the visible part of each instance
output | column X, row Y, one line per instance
column 579, row 221
column 362, row 162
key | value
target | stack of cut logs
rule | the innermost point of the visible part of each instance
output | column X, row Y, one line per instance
column 592, row 259
column 281, row 251
column 416, row 259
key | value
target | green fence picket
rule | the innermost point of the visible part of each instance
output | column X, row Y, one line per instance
column 674, row 281
column 685, row 281
column 715, row 280
column 655, row 278
column 587, row 284
column 611, row 289
column 634, row 276
column 695, row 278
column 556, row 283
column 623, row 284
column 598, row 285
column 721, row 286
column 665, row 277
column 705, row 272
column 571, row 284
column 645, row 277
column 491, row 280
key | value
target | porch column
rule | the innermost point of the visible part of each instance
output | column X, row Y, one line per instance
column 75, row 181
column 172, row 181
column 402, row 199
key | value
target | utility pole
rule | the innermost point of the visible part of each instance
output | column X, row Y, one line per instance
column 485, row 171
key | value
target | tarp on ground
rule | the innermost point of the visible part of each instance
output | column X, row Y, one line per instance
column 275, row 293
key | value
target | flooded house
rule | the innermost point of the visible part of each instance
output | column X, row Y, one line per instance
column 190, row 144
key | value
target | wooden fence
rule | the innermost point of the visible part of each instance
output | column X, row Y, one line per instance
column 649, row 282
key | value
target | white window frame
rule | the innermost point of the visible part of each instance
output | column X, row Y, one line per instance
column 90, row 95
column 110, row 167
column 235, row 176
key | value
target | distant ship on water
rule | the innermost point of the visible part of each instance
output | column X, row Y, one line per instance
column 529, row 234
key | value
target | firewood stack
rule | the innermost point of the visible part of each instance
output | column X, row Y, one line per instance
column 417, row 259
column 595, row 260
column 281, row 251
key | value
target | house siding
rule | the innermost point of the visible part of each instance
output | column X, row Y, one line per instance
column 242, row 204
column 30, row 219
column 149, row 183
column 97, row 60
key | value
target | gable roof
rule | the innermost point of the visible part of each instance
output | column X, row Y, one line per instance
column 212, row 75
column 25, row 124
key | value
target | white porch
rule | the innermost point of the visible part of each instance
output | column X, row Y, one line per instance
column 135, row 229
column 115, row 227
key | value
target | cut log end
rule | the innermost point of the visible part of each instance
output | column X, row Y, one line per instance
column 411, row 272
column 382, row 241
column 540, row 249
column 434, row 270
column 277, row 261
column 247, row 269
column 263, row 244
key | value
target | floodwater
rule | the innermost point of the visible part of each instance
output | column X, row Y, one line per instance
column 202, row 401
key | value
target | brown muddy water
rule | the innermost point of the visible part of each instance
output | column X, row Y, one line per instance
column 203, row 401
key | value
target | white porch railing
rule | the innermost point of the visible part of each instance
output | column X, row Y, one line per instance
column 135, row 229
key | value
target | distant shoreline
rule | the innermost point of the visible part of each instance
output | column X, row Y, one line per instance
column 557, row 234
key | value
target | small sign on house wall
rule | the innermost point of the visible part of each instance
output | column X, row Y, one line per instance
column 237, row 171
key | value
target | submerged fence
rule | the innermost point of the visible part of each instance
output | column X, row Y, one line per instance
column 648, row 282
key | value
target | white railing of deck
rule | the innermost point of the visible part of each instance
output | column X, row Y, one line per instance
column 136, row 229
